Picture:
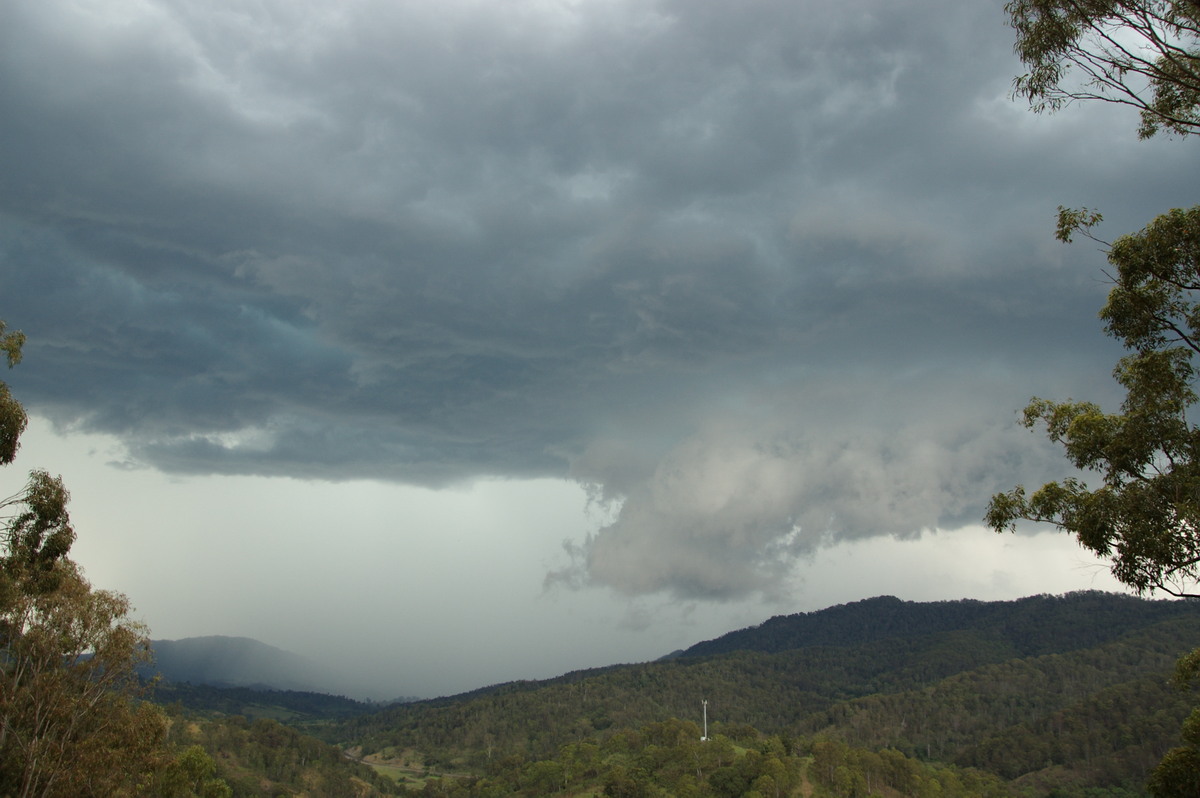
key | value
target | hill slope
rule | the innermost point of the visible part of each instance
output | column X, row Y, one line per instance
column 1030, row 626
column 1019, row 688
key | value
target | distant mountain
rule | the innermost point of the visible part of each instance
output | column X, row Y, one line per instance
column 1030, row 626
column 234, row 662
column 296, row 707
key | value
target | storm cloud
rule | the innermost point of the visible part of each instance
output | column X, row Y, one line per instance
column 762, row 276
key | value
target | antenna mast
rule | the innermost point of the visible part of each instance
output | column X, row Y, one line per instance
column 704, row 702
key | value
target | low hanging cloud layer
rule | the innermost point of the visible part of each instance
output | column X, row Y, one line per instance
column 764, row 276
column 730, row 508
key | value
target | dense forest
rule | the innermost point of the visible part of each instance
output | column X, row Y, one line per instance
column 244, row 758
column 1025, row 627
column 1026, row 691
column 1067, row 696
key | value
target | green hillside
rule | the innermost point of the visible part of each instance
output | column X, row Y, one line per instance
column 1066, row 696
column 1029, row 626
column 1065, row 693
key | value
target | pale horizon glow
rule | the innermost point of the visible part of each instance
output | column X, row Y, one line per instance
column 223, row 565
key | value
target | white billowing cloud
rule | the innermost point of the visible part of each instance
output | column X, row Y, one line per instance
column 728, row 510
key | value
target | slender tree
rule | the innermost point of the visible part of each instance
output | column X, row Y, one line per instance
column 69, row 721
column 1141, row 506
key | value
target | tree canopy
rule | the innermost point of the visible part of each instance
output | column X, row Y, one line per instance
column 12, row 415
column 1135, row 498
column 1144, row 513
column 68, row 723
column 1142, row 53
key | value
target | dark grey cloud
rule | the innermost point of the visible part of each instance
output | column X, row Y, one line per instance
column 767, row 274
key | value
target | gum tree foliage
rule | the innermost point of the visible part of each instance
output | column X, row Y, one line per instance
column 1141, row 506
column 68, row 724
column 12, row 415
column 1141, row 53
column 1178, row 774
column 1137, row 498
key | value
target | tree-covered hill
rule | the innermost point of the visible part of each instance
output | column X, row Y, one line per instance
column 1030, row 626
column 266, row 759
column 668, row 759
column 1061, row 691
column 1101, row 715
column 1026, row 698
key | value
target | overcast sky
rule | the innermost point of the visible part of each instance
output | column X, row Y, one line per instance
column 479, row 340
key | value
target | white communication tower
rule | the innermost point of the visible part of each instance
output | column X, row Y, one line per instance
column 704, row 702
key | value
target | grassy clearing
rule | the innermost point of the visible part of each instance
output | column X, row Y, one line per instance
column 404, row 767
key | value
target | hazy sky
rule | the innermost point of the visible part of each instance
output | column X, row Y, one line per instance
column 478, row 340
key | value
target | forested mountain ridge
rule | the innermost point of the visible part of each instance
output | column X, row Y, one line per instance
column 1031, row 626
column 1010, row 687
column 1109, row 707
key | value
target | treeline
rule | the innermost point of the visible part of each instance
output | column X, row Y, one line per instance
column 264, row 758
column 838, row 769
column 1102, row 717
column 1026, row 627
column 669, row 758
column 943, row 716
